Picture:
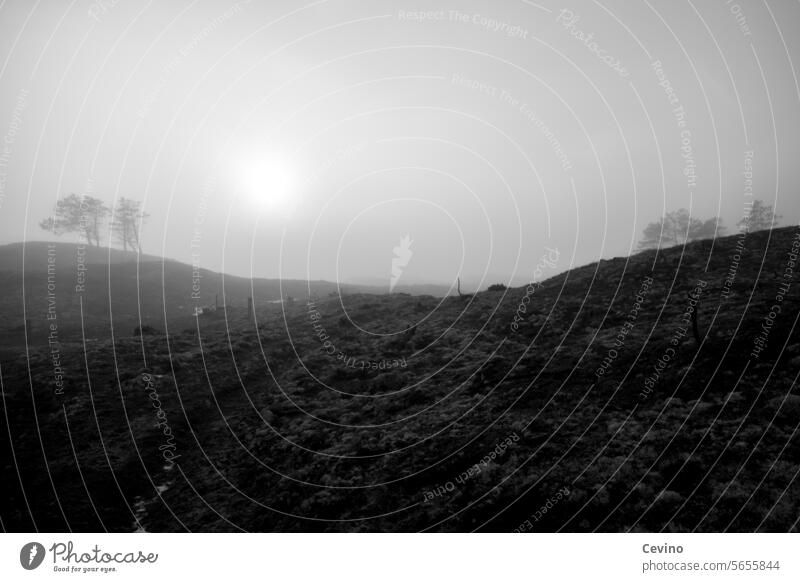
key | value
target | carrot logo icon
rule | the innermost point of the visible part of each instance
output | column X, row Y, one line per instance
column 31, row 555
column 402, row 256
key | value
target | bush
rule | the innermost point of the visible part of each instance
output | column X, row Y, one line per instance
column 497, row 287
column 144, row 330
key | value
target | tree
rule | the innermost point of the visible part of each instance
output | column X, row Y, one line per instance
column 761, row 217
column 671, row 229
column 82, row 214
column 96, row 212
column 127, row 222
column 677, row 228
column 704, row 229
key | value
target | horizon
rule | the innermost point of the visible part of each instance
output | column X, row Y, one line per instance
column 482, row 155
column 553, row 269
column 366, row 281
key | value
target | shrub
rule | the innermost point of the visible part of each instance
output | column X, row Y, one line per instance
column 497, row 287
column 144, row 330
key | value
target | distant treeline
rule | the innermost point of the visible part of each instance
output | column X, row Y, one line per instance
column 679, row 227
column 88, row 216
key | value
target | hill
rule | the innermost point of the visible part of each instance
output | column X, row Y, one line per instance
column 593, row 401
column 97, row 293
column 35, row 254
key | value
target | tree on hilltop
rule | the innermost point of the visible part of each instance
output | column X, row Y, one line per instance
column 678, row 228
column 82, row 214
column 127, row 221
column 761, row 217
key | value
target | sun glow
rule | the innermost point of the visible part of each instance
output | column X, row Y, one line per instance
column 269, row 184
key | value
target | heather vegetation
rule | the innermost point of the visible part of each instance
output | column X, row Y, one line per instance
column 688, row 427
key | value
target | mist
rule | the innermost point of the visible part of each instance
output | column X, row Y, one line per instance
column 306, row 141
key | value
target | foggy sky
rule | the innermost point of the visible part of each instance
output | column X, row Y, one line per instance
column 485, row 131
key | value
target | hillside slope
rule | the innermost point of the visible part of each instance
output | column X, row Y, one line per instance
column 597, row 408
column 96, row 291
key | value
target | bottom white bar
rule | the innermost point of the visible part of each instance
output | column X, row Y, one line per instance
column 416, row 557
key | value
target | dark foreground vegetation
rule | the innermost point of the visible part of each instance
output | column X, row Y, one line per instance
column 296, row 420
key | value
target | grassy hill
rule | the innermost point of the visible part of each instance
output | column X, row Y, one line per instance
column 94, row 291
column 597, row 408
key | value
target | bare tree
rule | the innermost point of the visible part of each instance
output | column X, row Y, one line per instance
column 82, row 214
column 127, row 222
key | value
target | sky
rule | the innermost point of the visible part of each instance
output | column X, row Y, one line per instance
column 308, row 140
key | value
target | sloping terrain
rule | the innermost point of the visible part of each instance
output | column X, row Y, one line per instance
column 597, row 408
column 93, row 291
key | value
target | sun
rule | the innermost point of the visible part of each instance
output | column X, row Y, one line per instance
column 268, row 183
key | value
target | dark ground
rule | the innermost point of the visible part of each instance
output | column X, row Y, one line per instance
column 274, row 434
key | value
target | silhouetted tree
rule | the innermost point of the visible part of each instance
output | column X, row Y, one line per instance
column 677, row 228
column 127, row 222
column 703, row 229
column 761, row 217
column 671, row 229
column 82, row 214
